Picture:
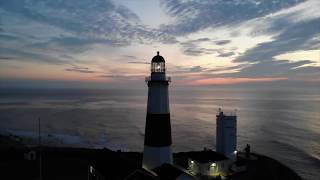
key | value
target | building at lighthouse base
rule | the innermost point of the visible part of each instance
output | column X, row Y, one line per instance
column 155, row 156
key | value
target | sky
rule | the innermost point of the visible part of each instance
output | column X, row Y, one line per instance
column 106, row 43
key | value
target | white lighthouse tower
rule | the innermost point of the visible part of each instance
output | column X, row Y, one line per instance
column 157, row 142
column 226, row 138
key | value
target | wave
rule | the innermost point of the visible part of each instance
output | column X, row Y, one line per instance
column 307, row 164
column 310, row 157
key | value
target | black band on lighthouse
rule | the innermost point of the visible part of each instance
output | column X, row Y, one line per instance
column 158, row 130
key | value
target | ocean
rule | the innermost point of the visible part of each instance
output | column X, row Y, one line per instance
column 281, row 123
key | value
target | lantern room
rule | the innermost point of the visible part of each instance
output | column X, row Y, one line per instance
column 158, row 64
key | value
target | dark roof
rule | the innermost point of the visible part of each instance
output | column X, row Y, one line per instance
column 167, row 171
column 141, row 173
column 158, row 58
column 206, row 156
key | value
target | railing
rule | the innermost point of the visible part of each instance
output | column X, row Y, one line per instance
column 228, row 113
column 148, row 78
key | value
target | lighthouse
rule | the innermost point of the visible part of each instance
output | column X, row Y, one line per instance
column 226, row 138
column 157, row 141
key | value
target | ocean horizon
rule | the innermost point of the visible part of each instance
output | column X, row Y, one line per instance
column 280, row 123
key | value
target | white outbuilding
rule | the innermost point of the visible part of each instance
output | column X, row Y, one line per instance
column 208, row 164
column 226, row 138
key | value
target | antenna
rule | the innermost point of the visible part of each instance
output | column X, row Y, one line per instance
column 39, row 146
column 39, row 132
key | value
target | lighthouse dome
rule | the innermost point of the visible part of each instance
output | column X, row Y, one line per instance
column 158, row 64
column 157, row 58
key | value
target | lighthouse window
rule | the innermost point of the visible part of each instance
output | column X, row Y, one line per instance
column 157, row 67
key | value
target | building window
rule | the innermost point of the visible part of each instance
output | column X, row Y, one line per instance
column 212, row 166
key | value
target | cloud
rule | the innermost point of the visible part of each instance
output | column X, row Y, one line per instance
column 193, row 47
column 64, row 32
column 46, row 31
column 195, row 15
column 228, row 68
column 122, row 77
column 293, row 37
column 82, row 17
column 73, row 26
column 65, row 56
column 130, row 56
column 7, row 37
column 199, row 40
column 186, row 70
column 134, row 60
column 226, row 81
column 222, row 42
column 289, row 34
column 78, row 69
column 73, row 44
column 197, row 51
column 21, row 55
column 5, row 58
column 196, row 69
column 113, row 76
column 138, row 62
column 290, row 27
column 272, row 68
column 202, row 72
column 225, row 54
